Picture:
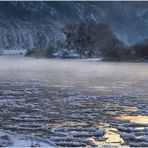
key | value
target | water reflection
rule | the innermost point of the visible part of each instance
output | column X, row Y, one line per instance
column 130, row 109
column 134, row 119
column 103, row 77
column 110, row 138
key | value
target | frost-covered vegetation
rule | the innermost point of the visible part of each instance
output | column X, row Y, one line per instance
column 38, row 27
column 90, row 39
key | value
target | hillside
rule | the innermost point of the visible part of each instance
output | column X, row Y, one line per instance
column 39, row 24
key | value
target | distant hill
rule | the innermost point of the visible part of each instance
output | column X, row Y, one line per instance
column 38, row 24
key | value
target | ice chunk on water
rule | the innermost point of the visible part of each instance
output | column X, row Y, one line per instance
column 130, row 136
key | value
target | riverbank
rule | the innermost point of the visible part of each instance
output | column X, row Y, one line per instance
column 138, row 60
column 73, row 55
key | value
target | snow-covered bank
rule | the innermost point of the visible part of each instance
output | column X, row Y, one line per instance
column 13, row 52
column 9, row 139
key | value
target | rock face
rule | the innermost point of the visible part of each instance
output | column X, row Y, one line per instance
column 38, row 24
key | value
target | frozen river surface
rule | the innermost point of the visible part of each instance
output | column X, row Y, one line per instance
column 75, row 102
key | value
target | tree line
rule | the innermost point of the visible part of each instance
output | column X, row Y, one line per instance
column 94, row 39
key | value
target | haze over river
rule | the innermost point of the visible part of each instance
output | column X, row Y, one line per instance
column 75, row 102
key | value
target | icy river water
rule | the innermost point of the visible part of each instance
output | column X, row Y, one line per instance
column 75, row 102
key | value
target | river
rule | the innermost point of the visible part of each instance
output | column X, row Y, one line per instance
column 75, row 102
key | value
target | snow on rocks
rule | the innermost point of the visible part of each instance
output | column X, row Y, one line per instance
column 9, row 139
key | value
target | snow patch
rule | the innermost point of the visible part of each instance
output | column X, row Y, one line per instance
column 9, row 139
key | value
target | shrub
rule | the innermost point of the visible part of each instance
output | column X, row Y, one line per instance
column 41, row 52
column 92, row 39
column 49, row 52
column 140, row 50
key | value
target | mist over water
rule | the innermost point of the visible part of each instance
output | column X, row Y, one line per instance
column 106, row 77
